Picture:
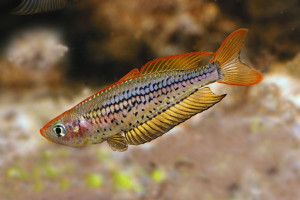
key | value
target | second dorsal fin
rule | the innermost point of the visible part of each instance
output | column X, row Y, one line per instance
column 169, row 63
column 176, row 62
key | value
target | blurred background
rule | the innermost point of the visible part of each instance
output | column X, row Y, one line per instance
column 245, row 147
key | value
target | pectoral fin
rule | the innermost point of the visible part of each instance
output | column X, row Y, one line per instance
column 117, row 142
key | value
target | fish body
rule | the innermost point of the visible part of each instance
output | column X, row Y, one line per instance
column 129, row 104
column 147, row 103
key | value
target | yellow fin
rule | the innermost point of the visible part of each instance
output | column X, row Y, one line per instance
column 29, row 7
column 117, row 142
column 201, row 100
column 176, row 62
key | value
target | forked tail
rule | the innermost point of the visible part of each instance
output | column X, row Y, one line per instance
column 233, row 71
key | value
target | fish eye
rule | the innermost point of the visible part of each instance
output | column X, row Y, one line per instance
column 59, row 130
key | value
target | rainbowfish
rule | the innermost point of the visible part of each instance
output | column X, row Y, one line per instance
column 29, row 7
column 147, row 103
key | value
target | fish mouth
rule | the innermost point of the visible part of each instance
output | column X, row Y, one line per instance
column 44, row 134
column 42, row 131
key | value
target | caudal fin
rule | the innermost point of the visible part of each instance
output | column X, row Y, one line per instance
column 234, row 72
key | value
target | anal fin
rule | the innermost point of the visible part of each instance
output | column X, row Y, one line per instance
column 117, row 142
column 196, row 103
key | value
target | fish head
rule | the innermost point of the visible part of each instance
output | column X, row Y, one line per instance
column 67, row 129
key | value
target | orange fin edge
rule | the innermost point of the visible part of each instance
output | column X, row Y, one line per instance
column 130, row 75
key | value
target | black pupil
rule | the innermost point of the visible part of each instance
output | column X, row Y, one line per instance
column 58, row 130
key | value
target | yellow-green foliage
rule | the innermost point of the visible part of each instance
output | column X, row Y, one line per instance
column 123, row 181
column 16, row 172
column 51, row 171
column 158, row 175
column 93, row 180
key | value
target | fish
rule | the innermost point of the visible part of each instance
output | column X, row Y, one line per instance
column 145, row 104
column 30, row 7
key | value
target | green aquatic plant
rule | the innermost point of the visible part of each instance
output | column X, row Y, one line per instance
column 16, row 172
column 158, row 175
column 51, row 171
column 122, row 180
column 93, row 180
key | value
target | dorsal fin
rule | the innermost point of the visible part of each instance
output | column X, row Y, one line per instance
column 130, row 75
column 176, row 62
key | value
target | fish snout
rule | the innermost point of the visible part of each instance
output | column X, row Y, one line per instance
column 43, row 133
